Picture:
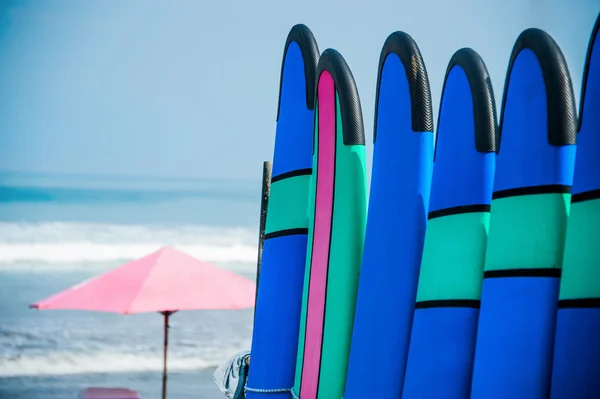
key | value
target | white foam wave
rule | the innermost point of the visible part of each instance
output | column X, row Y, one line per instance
column 105, row 362
column 75, row 243
column 80, row 252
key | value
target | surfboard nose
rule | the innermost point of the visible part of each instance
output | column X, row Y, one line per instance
column 401, row 59
column 296, row 102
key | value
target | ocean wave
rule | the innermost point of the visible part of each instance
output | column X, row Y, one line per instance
column 86, row 252
column 106, row 362
column 84, row 243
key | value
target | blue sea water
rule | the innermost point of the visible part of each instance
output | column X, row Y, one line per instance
column 58, row 230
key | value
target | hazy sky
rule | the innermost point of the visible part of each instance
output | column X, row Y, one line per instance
column 189, row 88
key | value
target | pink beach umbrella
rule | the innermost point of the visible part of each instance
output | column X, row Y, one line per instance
column 165, row 281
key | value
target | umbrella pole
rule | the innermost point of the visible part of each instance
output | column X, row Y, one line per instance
column 166, row 344
column 264, row 204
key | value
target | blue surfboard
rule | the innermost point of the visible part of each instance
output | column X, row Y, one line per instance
column 279, row 300
column 397, row 216
column 530, row 204
column 576, row 370
column 442, row 345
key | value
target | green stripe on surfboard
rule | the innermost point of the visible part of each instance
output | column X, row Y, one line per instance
column 288, row 204
column 311, row 199
column 345, row 258
column 453, row 257
column 527, row 232
column 581, row 265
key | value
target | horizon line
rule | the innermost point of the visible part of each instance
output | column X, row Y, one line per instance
column 96, row 175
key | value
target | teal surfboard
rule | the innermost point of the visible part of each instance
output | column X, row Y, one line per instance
column 337, row 213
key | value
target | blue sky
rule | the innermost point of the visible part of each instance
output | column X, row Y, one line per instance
column 189, row 88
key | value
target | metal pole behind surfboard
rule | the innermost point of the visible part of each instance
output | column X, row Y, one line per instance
column 264, row 204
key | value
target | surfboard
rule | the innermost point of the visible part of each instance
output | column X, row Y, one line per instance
column 337, row 218
column 440, row 360
column 576, row 370
column 530, row 204
column 397, row 217
column 276, row 325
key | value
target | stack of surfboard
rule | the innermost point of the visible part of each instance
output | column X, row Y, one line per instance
column 475, row 270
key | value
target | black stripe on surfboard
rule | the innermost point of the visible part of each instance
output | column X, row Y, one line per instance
column 585, row 196
column 286, row 232
column 448, row 303
column 291, row 173
column 549, row 272
column 583, row 303
column 533, row 190
column 457, row 210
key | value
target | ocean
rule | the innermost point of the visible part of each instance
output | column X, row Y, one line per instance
column 57, row 230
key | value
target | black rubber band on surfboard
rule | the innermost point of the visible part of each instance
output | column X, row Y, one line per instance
column 291, row 173
column 585, row 196
column 560, row 99
column 482, row 93
column 532, row 190
column 403, row 45
column 582, row 303
column 285, row 233
column 459, row 210
column 310, row 54
column 586, row 69
column 345, row 86
column 448, row 303
column 545, row 272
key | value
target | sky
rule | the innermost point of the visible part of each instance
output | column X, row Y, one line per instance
column 189, row 89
